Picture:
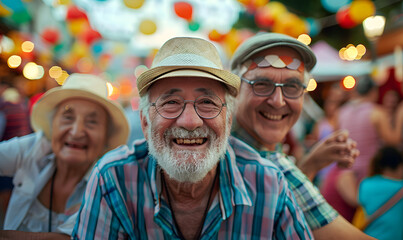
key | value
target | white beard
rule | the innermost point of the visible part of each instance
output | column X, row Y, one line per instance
column 187, row 165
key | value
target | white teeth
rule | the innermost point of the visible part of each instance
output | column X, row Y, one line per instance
column 272, row 116
column 189, row 141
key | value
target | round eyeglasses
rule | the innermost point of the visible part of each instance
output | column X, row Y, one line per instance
column 266, row 88
column 171, row 106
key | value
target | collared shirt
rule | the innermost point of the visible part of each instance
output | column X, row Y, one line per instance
column 123, row 199
column 29, row 161
column 317, row 211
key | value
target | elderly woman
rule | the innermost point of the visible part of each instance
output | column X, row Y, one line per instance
column 74, row 124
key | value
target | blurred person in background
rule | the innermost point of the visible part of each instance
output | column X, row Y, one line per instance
column 370, row 126
column 15, row 111
column 14, row 122
column 74, row 124
column 385, row 179
column 274, row 70
column 328, row 124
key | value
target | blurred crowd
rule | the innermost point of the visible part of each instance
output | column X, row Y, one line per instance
column 370, row 112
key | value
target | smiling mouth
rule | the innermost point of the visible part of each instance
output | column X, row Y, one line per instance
column 190, row 141
column 77, row 146
column 273, row 117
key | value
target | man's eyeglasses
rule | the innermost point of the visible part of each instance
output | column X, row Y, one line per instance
column 171, row 106
column 266, row 88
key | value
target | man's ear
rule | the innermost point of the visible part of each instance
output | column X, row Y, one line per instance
column 144, row 124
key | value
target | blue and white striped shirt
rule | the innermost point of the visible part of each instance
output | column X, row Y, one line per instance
column 123, row 199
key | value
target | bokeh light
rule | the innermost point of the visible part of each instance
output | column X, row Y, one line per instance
column 349, row 82
column 351, row 53
column 110, row 89
column 14, row 61
column 305, row 39
column 374, row 26
column 341, row 53
column 27, row 46
column 312, row 84
column 361, row 49
column 32, row 71
column 55, row 72
column 60, row 80
column 7, row 44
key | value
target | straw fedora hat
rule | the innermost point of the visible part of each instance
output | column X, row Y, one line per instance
column 83, row 86
column 187, row 57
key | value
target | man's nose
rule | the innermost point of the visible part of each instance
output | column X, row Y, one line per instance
column 276, row 99
column 189, row 119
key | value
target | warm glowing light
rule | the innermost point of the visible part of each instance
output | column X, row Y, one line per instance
column 305, row 39
column 351, row 53
column 312, row 84
column 341, row 53
column 32, row 71
column 27, row 46
column 110, row 88
column 361, row 50
column 14, row 61
column 373, row 26
column 7, row 44
column 349, row 82
column 60, row 80
column 55, row 72
column 115, row 93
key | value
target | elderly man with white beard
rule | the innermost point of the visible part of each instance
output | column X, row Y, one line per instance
column 189, row 179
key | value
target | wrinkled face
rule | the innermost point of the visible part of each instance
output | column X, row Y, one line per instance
column 79, row 132
column 189, row 146
column 268, row 119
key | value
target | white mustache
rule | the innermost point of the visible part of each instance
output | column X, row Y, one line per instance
column 177, row 132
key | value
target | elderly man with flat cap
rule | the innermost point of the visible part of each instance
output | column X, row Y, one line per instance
column 274, row 69
column 189, row 179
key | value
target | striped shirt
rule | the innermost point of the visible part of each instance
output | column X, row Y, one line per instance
column 123, row 199
column 317, row 211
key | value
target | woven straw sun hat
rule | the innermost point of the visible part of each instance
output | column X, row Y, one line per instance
column 187, row 57
column 82, row 86
column 263, row 41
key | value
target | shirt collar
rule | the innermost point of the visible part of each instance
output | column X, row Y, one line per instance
column 240, row 132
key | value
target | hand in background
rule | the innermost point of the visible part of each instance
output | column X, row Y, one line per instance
column 337, row 147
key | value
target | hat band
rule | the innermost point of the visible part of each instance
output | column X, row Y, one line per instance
column 272, row 61
column 187, row 59
column 194, row 69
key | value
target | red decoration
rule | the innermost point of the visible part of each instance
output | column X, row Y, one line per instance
column 344, row 19
column 264, row 18
column 51, row 35
column 90, row 36
column 215, row 36
column 75, row 13
column 183, row 10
